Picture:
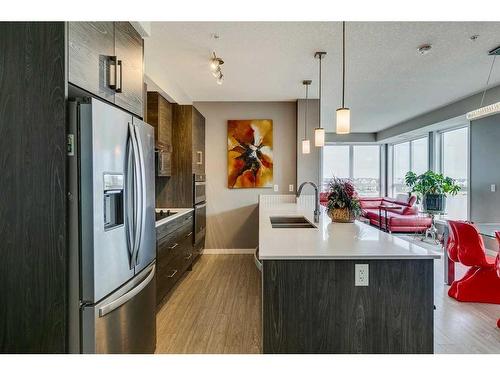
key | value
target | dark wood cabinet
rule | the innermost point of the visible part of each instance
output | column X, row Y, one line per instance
column 129, row 51
column 313, row 306
column 198, row 142
column 33, row 270
column 188, row 158
column 174, row 253
column 160, row 117
column 90, row 44
column 106, row 59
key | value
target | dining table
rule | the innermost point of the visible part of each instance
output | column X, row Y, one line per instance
column 487, row 230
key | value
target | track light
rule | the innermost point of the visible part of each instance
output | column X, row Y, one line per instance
column 215, row 67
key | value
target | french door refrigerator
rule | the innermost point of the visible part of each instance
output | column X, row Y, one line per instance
column 112, row 230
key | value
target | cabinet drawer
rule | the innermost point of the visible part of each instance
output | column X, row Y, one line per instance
column 184, row 223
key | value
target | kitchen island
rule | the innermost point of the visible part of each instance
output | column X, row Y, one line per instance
column 315, row 297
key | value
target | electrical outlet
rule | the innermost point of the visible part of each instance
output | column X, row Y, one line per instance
column 361, row 276
column 290, row 188
column 493, row 188
column 276, row 188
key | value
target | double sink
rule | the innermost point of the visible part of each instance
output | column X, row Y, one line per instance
column 291, row 222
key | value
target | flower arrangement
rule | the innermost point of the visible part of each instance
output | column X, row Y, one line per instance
column 343, row 202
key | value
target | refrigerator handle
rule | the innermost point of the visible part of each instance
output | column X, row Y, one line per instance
column 113, row 305
column 130, row 199
column 137, row 196
column 142, row 192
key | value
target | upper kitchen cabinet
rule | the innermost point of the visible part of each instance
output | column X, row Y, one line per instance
column 129, row 54
column 106, row 59
column 159, row 115
column 198, row 142
column 91, row 45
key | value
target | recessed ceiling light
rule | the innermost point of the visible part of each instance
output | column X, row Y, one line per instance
column 474, row 37
column 424, row 49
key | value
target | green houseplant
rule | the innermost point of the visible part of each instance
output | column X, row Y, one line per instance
column 343, row 203
column 432, row 188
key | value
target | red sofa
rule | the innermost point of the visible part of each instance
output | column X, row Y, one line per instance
column 404, row 218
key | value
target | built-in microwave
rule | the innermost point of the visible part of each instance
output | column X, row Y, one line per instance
column 163, row 163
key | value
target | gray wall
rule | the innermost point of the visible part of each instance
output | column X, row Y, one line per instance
column 485, row 169
column 308, row 165
column 232, row 214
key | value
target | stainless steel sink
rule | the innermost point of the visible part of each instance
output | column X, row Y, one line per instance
column 291, row 222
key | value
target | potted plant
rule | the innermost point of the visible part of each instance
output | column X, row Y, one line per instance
column 343, row 203
column 432, row 188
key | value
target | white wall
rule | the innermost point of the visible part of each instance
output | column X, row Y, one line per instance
column 232, row 214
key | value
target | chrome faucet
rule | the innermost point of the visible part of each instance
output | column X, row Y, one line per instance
column 316, row 196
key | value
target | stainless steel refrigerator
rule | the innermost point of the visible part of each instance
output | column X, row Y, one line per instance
column 112, row 230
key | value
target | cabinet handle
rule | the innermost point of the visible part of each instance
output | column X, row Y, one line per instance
column 119, row 64
column 200, row 157
column 173, row 246
column 189, row 256
column 112, row 60
column 189, row 234
column 172, row 275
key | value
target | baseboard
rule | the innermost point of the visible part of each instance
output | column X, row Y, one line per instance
column 228, row 251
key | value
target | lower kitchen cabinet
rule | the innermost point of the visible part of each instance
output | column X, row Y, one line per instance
column 175, row 253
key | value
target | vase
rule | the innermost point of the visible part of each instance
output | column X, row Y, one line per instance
column 341, row 215
column 434, row 202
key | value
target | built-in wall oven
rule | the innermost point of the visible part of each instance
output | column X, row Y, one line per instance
column 199, row 188
column 200, row 223
column 200, row 211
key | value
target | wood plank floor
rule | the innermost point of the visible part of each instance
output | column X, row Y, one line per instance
column 216, row 308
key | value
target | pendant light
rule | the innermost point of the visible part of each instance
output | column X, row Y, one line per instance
column 319, row 132
column 306, row 145
column 343, row 113
column 489, row 109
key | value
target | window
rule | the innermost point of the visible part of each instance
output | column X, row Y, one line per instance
column 454, row 158
column 401, row 165
column 361, row 163
column 408, row 156
column 419, row 155
column 366, row 170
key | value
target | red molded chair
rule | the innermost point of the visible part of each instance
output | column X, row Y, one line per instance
column 497, row 264
column 480, row 283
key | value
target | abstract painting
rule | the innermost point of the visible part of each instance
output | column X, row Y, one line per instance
column 249, row 153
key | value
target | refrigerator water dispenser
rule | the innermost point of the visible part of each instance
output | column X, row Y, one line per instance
column 113, row 201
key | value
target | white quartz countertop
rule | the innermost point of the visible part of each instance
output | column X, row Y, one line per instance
column 329, row 240
column 179, row 212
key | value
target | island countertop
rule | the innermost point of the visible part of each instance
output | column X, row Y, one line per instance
column 328, row 240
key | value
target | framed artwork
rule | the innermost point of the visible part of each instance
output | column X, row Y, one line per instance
column 249, row 154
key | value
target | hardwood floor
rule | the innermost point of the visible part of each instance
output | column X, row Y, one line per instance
column 216, row 308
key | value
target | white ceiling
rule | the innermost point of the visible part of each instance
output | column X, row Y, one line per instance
column 387, row 81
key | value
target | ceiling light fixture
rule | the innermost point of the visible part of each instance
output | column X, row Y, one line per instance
column 215, row 67
column 319, row 132
column 343, row 113
column 489, row 109
column 306, row 145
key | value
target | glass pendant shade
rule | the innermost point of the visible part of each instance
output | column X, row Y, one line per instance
column 319, row 137
column 343, row 121
column 306, row 146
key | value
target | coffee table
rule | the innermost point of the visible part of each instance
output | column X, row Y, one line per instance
column 385, row 207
